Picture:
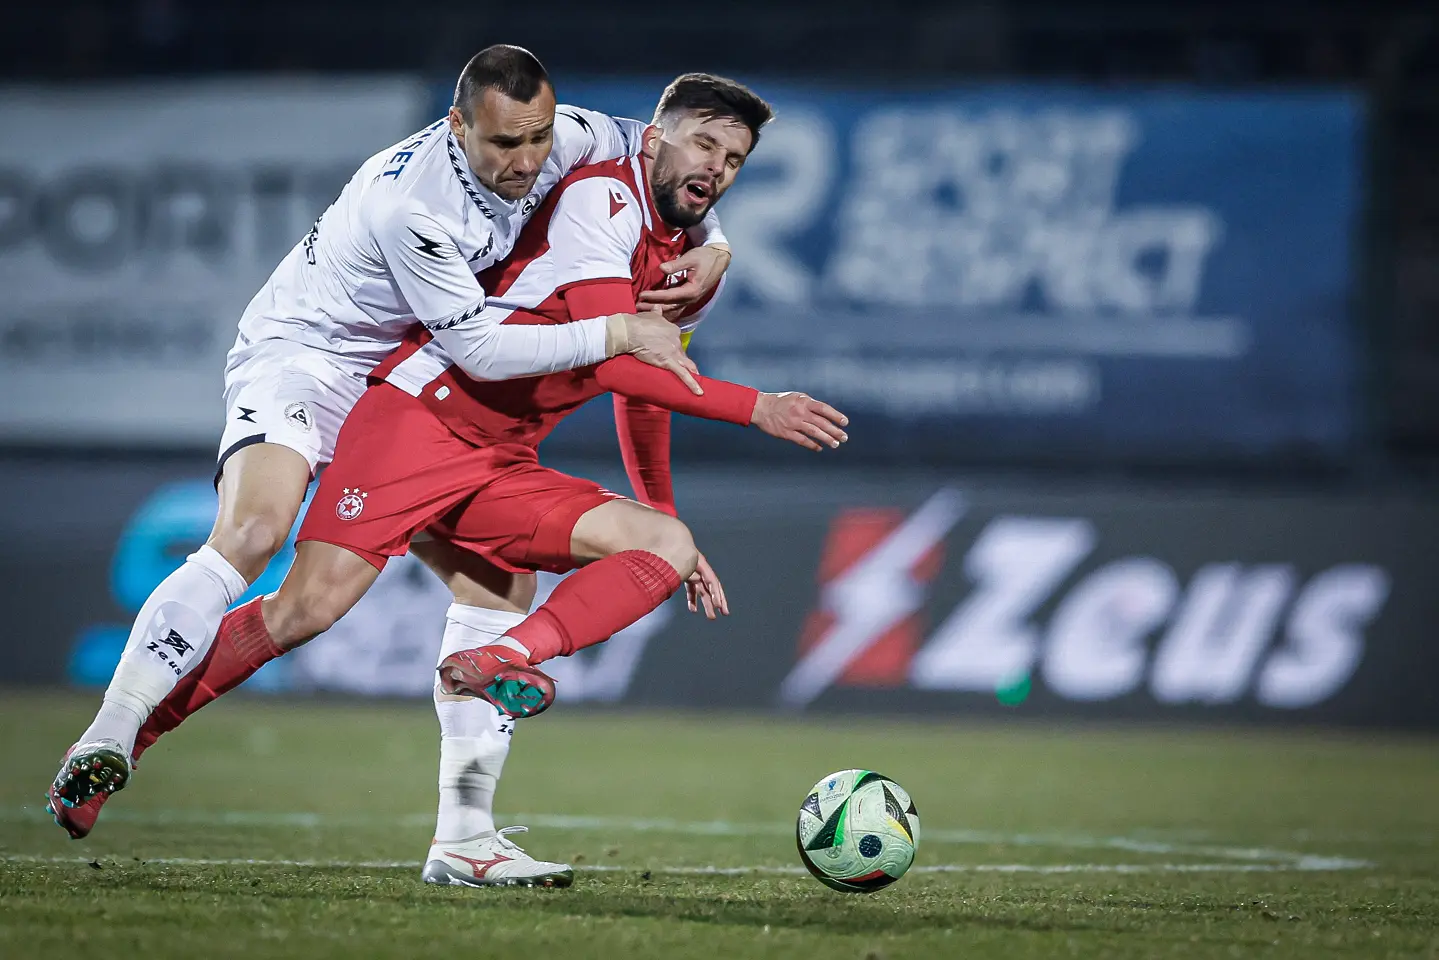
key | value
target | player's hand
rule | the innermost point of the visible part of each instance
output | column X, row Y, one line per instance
column 653, row 339
column 800, row 419
column 703, row 587
column 703, row 267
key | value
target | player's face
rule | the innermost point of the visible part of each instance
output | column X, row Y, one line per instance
column 694, row 162
column 508, row 141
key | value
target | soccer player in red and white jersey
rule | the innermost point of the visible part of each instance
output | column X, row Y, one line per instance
column 400, row 248
column 430, row 450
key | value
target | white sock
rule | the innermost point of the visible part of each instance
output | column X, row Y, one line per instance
column 172, row 633
column 474, row 736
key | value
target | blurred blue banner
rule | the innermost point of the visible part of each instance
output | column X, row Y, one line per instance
column 1042, row 271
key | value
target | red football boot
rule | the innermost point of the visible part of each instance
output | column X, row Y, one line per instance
column 89, row 775
column 500, row 675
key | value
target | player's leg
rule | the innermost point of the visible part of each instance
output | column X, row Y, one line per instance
column 284, row 406
column 260, row 493
column 467, row 849
column 474, row 735
column 635, row 558
column 390, row 447
column 281, row 417
column 323, row 584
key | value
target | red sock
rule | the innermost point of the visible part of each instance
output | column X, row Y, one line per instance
column 242, row 646
column 597, row 602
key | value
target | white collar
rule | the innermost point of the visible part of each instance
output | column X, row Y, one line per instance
column 491, row 204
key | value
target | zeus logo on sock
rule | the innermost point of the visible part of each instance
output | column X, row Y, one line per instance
column 178, row 645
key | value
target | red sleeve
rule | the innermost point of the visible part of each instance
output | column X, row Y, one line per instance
column 722, row 400
column 644, row 432
column 625, row 375
column 599, row 298
column 643, row 428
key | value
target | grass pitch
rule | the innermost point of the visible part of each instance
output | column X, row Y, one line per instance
column 273, row 829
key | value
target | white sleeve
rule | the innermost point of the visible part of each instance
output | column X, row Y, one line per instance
column 708, row 231
column 444, row 295
column 594, row 231
column 690, row 323
column 583, row 137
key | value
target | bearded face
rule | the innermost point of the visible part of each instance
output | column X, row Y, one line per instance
column 695, row 159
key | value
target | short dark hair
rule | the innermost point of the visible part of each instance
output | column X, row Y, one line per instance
column 711, row 96
column 513, row 71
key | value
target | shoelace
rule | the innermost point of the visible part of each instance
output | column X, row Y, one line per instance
column 502, row 836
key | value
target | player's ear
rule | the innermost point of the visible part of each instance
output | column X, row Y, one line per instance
column 650, row 141
column 457, row 122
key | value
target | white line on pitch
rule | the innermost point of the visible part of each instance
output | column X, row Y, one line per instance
column 1305, row 864
column 170, row 818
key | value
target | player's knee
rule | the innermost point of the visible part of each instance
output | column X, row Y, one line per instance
column 250, row 542
column 672, row 541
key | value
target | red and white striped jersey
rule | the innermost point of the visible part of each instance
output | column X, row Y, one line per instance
column 599, row 225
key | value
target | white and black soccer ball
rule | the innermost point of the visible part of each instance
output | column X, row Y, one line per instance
column 857, row 831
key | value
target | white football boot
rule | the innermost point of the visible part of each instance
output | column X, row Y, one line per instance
column 492, row 860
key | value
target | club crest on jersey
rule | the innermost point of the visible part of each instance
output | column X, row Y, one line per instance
column 351, row 504
column 529, row 204
column 299, row 415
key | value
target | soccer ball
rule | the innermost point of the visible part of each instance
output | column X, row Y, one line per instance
column 857, row 831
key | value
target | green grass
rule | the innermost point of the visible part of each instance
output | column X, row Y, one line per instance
column 270, row 781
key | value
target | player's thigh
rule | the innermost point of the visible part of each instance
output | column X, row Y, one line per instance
column 323, row 584
column 260, row 493
column 284, row 408
column 473, row 579
column 522, row 517
column 289, row 395
column 621, row 525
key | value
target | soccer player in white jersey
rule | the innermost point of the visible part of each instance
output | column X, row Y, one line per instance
column 339, row 303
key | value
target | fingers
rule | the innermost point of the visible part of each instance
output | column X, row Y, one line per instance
column 822, row 427
column 818, row 422
column 684, row 368
column 828, row 412
column 713, row 587
column 825, row 432
column 703, row 586
column 800, row 439
column 697, row 592
column 716, row 590
column 684, row 294
column 685, row 261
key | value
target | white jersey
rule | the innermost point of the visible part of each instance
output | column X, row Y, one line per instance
column 403, row 243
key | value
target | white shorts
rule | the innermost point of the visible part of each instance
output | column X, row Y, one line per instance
column 277, row 391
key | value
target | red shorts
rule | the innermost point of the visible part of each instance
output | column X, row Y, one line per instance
column 399, row 470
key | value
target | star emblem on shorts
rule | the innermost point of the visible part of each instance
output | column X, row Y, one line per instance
column 245, row 415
